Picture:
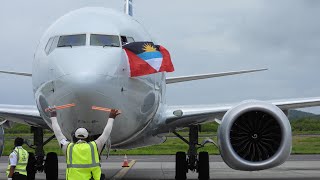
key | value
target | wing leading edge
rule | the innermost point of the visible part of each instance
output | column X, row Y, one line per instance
column 206, row 76
column 22, row 114
column 16, row 73
column 184, row 116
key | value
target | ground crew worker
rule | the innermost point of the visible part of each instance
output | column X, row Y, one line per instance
column 18, row 161
column 83, row 161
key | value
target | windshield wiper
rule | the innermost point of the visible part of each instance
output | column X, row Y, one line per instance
column 110, row 45
column 66, row 46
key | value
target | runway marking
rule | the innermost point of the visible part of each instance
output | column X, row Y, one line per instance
column 123, row 171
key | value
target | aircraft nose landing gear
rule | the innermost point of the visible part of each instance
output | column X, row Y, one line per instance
column 37, row 162
column 192, row 161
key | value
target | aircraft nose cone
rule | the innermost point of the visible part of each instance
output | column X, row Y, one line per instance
column 86, row 90
column 84, row 81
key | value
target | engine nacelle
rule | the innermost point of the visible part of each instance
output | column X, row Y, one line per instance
column 254, row 136
column 1, row 140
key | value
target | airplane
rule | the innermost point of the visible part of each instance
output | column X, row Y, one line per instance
column 71, row 66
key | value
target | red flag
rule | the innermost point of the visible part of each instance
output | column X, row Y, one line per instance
column 146, row 58
column 138, row 67
column 166, row 65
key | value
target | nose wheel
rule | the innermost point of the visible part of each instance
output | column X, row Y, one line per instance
column 203, row 166
column 192, row 160
column 37, row 161
column 181, row 165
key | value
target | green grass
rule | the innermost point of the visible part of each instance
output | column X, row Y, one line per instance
column 171, row 146
column 306, row 124
column 301, row 144
column 306, row 133
column 52, row 146
column 306, row 145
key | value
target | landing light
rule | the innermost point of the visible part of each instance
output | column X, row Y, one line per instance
column 178, row 113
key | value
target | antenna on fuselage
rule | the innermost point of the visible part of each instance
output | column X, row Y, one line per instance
column 128, row 9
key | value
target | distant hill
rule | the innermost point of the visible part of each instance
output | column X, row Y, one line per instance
column 296, row 114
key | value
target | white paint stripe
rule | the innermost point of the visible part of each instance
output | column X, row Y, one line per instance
column 155, row 63
column 123, row 171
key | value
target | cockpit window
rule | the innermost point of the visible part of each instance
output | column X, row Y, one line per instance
column 130, row 39
column 52, row 44
column 104, row 40
column 124, row 40
column 72, row 40
column 49, row 45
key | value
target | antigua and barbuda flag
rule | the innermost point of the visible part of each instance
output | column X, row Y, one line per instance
column 146, row 58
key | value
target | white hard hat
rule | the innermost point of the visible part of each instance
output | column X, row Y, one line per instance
column 81, row 133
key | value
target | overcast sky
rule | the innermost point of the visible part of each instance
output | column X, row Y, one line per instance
column 203, row 37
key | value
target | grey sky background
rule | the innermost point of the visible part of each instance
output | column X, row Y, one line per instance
column 203, row 37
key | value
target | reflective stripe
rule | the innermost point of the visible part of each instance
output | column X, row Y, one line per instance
column 83, row 165
column 17, row 152
column 22, row 161
column 70, row 153
column 93, row 164
column 18, row 156
column 22, row 164
column 20, row 170
column 92, row 153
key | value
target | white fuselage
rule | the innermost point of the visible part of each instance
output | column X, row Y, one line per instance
column 96, row 76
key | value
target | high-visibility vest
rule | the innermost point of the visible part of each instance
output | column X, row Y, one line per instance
column 22, row 161
column 83, row 161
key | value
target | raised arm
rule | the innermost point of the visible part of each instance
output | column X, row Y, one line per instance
column 107, row 130
column 57, row 131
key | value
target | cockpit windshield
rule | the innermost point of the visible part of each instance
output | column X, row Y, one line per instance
column 72, row 40
column 104, row 40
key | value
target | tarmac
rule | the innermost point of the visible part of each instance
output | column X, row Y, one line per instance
column 306, row 167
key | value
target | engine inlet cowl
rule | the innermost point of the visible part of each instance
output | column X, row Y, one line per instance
column 254, row 136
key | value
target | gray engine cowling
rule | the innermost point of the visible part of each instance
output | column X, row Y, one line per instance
column 254, row 136
column 1, row 140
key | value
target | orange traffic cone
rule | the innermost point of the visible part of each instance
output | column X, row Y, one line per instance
column 125, row 162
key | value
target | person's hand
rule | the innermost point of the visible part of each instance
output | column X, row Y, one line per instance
column 114, row 113
column 52, row 111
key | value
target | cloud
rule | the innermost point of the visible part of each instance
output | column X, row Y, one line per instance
column 203, row 37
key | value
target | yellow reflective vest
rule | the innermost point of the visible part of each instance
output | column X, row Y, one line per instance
column 83, row 161
column 22, row 161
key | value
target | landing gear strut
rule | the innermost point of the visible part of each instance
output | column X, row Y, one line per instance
column 192, row 161
column 37, row 161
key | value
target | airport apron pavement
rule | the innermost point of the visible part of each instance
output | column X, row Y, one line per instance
column 305, row 167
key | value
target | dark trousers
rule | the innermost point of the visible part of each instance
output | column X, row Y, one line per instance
column 17, row 176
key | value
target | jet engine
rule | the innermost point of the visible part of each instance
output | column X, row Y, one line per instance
column 254, row 135
column 1, row 140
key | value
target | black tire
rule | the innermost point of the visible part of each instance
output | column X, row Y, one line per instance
column 31, row 167
column 103, row 177
column 51, row 166
column 203, row 166
column 181, row 166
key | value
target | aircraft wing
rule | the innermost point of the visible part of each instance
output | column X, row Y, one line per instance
column 16, row 73
column 183, row 116
column 172, row 80
column 22, row 114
